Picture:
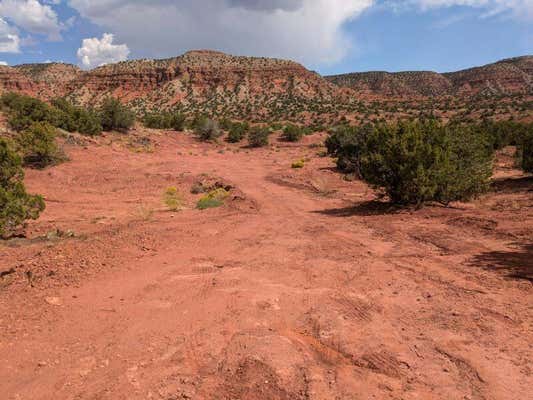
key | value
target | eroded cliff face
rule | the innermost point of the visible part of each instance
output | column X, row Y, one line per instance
column 201, row 76
column 506, row 77
column 222, row 80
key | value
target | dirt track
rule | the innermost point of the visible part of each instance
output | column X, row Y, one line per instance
column 300, row 288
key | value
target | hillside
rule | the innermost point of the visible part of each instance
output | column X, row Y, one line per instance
column 198, row 79
column 266, row 89
column 506, row 77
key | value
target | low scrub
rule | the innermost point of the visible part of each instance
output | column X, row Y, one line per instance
column 174, row 120
column 173, row 199
column 77, row 119
column 237, row 131
column 214, row 198
column 345, row 143
column 526, row 151
column 298, row 164
column 16, row 205
column 207, row 130
column 38, row 146
column 417, row 162
column 292, row 133
column 23, row 111
column 116, row 116
column 504, row 133
column 258, row 137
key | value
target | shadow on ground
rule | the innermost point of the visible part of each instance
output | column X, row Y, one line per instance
column 365, row 208
column 513, row 264
column 513, row 185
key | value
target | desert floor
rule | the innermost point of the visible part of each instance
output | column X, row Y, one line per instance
column 302, row 286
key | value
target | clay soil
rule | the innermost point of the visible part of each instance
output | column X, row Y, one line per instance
column 302, row 286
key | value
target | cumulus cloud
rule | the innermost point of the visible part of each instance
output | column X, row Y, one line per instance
column 33, row 17
column 9, row 38
column 95, row 52
column 310, row 31
column 3, row 63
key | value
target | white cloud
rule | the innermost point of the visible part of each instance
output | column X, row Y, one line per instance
column 3, row 63
column 522, row 9
column 95, row 52
column 32, row 16
column 9, row 38
column 310, row 31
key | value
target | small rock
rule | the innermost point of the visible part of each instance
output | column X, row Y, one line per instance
column 54, row 301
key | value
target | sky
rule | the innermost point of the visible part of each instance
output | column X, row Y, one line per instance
column 328, row 36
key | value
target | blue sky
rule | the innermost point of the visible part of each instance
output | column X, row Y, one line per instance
column 330, row 36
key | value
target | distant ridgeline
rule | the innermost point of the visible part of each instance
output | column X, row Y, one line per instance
column 263, row 88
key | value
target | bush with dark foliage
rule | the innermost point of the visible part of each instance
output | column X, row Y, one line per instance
column 417, row 162
column 174, row 120
column 258, row 136
column 292, row 133
column 76, row 119
column 237, row 131
column 38, row 146
column 526, row 151
column 116, row 116
column 16, row 205
column 345, row 143
column 23, row 111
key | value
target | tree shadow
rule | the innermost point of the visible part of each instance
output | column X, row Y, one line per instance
column 513, row 185
column 365, row 208
column 513, row 264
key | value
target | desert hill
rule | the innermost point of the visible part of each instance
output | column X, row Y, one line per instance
column 257, row 88
column 506, row 77
column 194, row 78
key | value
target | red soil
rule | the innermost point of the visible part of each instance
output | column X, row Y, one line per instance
column 298, row 288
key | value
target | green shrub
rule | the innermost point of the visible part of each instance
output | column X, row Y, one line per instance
column 37, row 145
column 237, row 131
column 214, row 198
column 208, row 130
column 23, row 111
column 417, row 162
column 72, row 118
column 292, row 133
column 165, row 120
column 526, row 151
column 345, row 144
column 504, row 133
column 116, row 116
column 16, row 205
column 258, row 137
column 88, row 123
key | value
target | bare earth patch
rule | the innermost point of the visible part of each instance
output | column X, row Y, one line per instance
column 301, row 286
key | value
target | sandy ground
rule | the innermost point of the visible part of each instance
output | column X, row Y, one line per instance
column 300, row 287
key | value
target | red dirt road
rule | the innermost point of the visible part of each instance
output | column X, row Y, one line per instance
column 297, row 288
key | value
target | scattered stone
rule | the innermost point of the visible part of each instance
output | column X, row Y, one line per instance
column 53, row 301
